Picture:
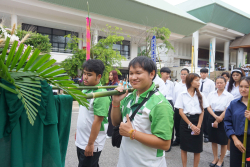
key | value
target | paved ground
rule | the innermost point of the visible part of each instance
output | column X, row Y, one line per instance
column 109, row 156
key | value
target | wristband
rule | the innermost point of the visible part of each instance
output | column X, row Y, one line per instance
column 130, row 133
column 115, row 106
column 134, row 135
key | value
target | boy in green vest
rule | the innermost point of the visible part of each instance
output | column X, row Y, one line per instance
column 91, row 123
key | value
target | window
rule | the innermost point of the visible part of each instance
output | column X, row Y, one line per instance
column 123, row 48
column 184, row 62
column 56, row 36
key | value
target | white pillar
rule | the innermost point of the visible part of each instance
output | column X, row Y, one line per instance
column 95, row 37
column 195, row 42
column 133, row 50
column 226, row 55
column 80, row 44
column 240, row 58
column 13, row 20
column 212, row 52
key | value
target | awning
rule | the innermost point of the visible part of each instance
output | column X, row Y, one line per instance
column 243, row 42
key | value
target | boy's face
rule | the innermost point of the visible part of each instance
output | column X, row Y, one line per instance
column 184, row 74
column 165, row 75
column 203, row 75
column 90, row 78
column 139, row 78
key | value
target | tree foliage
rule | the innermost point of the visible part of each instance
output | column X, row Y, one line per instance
column 161, row 34
column 102, row 51
column 38, row 41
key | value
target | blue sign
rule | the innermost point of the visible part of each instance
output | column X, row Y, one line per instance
column 153, row 49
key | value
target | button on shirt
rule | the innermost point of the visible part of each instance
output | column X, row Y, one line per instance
column 234, row 121
column 219, row 103
column 208, row 86
column 236, row 92
column 178, row 89
column 189, row 104
column 170, row 90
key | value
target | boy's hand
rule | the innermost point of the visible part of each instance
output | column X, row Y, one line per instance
column 125, row 128
column 118, row 98
column 89, row 150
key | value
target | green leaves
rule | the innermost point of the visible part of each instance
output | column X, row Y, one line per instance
column 28, row 74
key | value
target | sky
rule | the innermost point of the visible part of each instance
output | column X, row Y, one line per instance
column 240, row 4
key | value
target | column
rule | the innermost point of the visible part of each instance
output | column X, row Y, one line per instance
column 226, row 55
column 80, row 44
column 195, row 42
column 13, row 20
column 95, row 37
column 248, row 57
column 133, row 50
column 240, row 56
column 212, row 50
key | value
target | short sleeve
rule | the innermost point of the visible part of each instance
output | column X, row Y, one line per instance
column 209, row 98
column 101, row 106
column 205, row 102
column 179, row 102
column 162, row 121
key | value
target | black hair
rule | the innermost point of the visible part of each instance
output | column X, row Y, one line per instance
column 204, row 70
column 94, row 65
column 231, row 81
column 221, row 77
column 144, row 62
column 176, row 79
column 185, row 69
column 225, row 73
column 246, row 79
column 165, row 69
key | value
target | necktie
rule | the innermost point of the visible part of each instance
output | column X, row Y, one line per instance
column 202, row 86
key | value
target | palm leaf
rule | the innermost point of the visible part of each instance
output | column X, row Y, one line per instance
column 28, row 74
column 6, row 46
column 11, row 54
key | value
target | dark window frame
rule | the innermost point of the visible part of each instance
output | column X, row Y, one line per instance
column 53, row 32
column 121, row 50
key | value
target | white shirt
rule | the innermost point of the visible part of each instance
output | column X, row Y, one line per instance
column 235, row 91
column 189, row 104
column 170, row 90
column 160, row 82
column 84, row 125
column 208, row 86
column 226, row 85
column 178, row 89
column 219, row 103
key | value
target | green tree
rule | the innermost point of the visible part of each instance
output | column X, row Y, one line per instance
column 102, row 51
column 38, row 41
column 161, row 34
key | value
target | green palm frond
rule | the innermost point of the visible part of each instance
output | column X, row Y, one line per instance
column 26, row 76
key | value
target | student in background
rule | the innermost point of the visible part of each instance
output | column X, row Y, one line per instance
column 178, row 89
column 227, row 77
column 191, row 104
column 218, row 101
column 206, row 86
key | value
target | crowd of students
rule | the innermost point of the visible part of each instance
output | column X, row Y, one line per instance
column 192, row 111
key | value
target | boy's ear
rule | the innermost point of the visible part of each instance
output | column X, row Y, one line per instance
column 99, row 76
column 152, row 74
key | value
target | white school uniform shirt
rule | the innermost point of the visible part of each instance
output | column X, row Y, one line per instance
column 235, row 92
column 162, row 88
column 170, row 90
column 179, row 87
column 219, row 103
column 189, row 104
column 208, row 86
column 226, row 85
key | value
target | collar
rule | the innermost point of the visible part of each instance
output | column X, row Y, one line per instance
column 144, row 94
column 204, row 80
column 186, row 91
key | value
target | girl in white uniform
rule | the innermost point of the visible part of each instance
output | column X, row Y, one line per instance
column 191, row 104
column 218, row 101
column 234, row 82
